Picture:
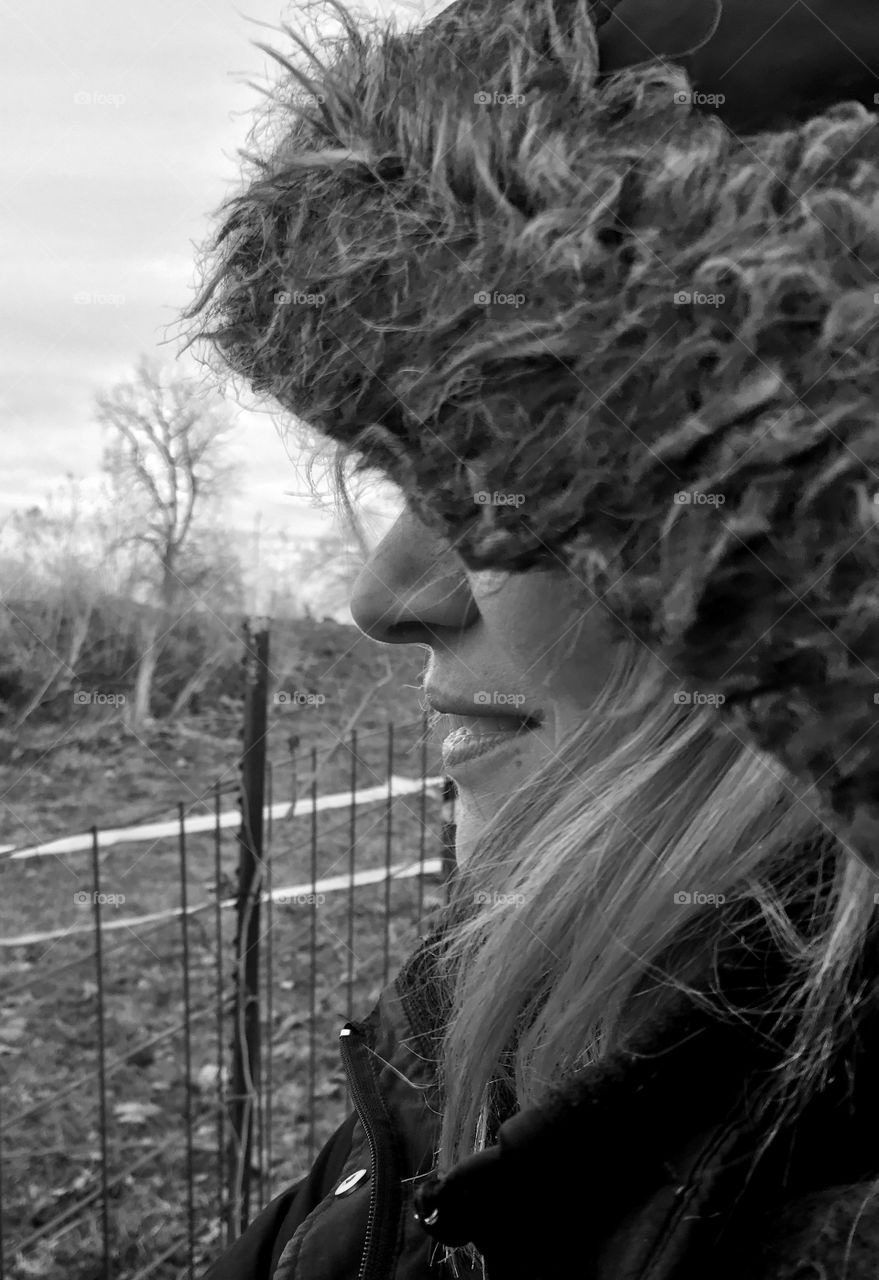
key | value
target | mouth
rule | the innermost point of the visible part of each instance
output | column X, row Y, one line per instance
column 470, row 737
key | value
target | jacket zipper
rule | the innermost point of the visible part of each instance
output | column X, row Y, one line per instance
column 381, row 1224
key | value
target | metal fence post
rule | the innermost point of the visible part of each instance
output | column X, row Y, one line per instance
column 245, row 1039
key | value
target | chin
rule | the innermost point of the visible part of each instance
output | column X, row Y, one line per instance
column 483, row 784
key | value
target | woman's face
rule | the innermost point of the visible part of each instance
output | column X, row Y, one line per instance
column 515, row 659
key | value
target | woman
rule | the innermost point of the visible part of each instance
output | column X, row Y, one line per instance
column 596, row 287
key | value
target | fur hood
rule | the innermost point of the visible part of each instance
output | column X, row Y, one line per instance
column 587, row 314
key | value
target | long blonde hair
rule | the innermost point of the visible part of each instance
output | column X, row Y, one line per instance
column 569, row 900
column 568, row 904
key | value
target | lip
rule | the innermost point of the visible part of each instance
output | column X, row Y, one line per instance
column 465, row 710
column 471, row 737
column 468, row 742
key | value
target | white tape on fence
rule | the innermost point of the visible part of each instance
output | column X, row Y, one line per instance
column 291, row 895
column 194, row 823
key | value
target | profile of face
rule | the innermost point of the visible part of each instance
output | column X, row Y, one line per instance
column 516, row 659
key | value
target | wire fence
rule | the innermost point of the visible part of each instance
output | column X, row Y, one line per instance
column 161, row 1071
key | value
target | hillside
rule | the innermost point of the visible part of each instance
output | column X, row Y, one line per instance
column 69, row 771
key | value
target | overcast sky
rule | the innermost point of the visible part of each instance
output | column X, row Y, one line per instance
column 122, row 124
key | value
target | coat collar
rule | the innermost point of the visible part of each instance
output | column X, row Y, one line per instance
column 654, row 1146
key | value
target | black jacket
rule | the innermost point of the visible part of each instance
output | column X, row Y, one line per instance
column 641, row 1168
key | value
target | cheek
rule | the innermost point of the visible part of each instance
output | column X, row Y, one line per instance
column 553, row 634
column 573, row 666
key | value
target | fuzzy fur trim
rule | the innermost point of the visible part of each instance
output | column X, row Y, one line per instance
column 582, row 303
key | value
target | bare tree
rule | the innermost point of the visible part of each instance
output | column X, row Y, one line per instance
column 166, row 462
column 45, row 629
column 327, row 566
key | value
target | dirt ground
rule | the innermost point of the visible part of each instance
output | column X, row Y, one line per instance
column 65, row 779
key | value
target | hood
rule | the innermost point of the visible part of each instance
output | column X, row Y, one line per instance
column 517, row 253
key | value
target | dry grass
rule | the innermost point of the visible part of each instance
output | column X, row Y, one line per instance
column 48, row 1035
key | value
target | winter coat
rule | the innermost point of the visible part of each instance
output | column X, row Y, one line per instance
column 641, row 1169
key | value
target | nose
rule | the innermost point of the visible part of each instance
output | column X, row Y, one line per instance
column 413, row 588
